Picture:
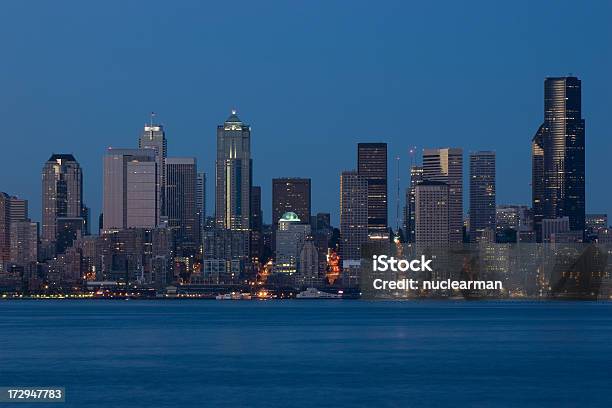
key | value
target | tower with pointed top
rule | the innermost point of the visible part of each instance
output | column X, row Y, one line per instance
column 233, row 174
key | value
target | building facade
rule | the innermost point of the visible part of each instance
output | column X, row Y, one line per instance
column 445, row 165
column 372, row 165
column 180, row 198
column 131, row 196
column 432, row 215
column 291, row 194
column 353, row 215
column 482, row 194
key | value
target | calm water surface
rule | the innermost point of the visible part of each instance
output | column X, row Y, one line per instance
column 310, row 353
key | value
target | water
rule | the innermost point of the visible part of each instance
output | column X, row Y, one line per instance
column 310, row 353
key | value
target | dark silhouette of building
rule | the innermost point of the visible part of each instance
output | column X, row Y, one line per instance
column 482, row 194
column 558, row 186
column 372, row 165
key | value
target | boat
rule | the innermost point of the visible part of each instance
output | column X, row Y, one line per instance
column 314, row 293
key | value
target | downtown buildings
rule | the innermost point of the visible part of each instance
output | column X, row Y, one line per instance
column 152, row 199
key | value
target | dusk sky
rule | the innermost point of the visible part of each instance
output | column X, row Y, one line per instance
column 311, row 78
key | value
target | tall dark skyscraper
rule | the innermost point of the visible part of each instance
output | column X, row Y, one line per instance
column 180, row 198
column 482, row 194
column 446, row 166
column 291, row 195
column 562, row 137
column 233, row 175
column 62, row 197
column 256, row 240
column 372, row 165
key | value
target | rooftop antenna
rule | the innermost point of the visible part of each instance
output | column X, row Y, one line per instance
column 152, row 116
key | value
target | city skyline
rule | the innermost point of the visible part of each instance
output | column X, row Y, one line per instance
column 330, row 207
column 404, row 74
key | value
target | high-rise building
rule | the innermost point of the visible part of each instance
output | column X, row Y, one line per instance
column 416, row 177
column 256, row 246
column 180, row 198
column 233, row 175
column 482, row 194
column 290, row 237
column 201, row 199
column 372, row 165
column 18, row 235
column 353, row 215
column 560, row 142
column 154, row 137
column 445, row 165
column 131, row 197
column 537, row 181
column 5, row 227
column 290, row 195
column 62, row 197
column 24, row 242
column 432, row 215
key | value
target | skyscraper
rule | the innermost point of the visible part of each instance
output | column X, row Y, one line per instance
column 537, row 181
column 5, row 227
column 353, row 215
column 372, row 165
column 562, row 146
column 291, row 195
column 131, row 196
column 256, row 241
column 416, row 177
column 233, row 174
column 62, row 196
column 18, row 235
column 180, row 198
column 201, row 198
column 482, row 194
column 432, row 215
column 446, row 165
column 154, row 137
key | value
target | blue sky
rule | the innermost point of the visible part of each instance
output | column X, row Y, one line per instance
column 312, row 78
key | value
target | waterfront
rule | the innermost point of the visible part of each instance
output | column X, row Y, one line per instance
column 308, row 353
